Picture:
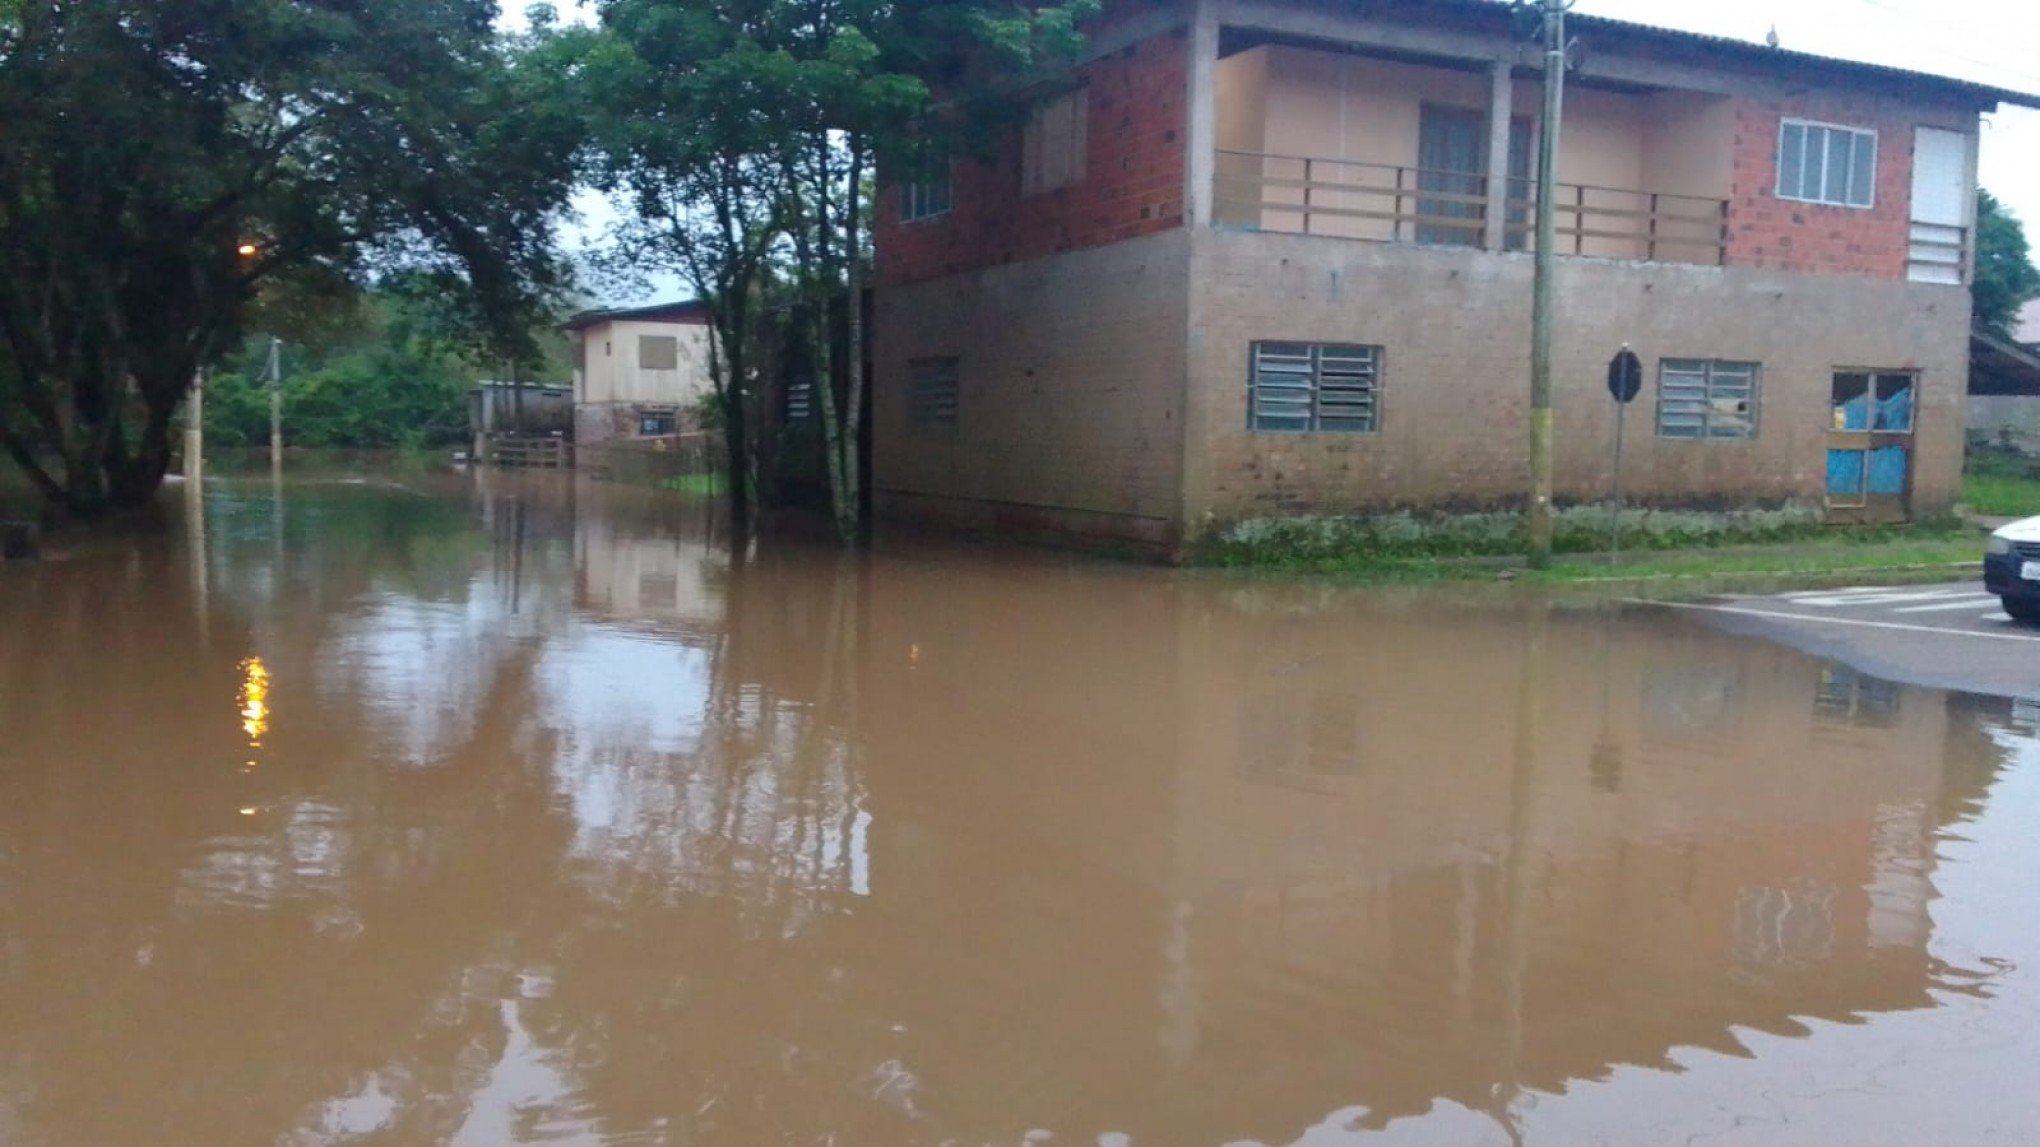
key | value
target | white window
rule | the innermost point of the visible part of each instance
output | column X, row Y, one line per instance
column 1314, row 386
column 1703, row 399
column 1825, row 163
column 931, row 392
column 1053, row 144
column 928, row 191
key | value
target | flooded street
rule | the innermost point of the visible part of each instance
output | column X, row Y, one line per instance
column 485, row 811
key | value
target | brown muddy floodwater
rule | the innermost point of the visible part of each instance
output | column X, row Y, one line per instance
column 488, row 811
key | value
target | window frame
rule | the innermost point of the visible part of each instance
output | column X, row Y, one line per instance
column 1807, row 128
column 924, row 414
column 1752, row 416
column 917, row 192
column 1315, row 389
column 1036, row 177
column 664, row 344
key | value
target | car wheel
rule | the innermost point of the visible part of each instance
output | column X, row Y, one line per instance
column 2024, row 609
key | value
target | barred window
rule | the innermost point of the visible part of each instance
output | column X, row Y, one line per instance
column 800, row 400
column 931, row 392
column 1328, row 387
column 1825, row 163
column 928, row 190
column 1707, row 399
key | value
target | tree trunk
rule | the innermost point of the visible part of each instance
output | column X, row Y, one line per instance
column 726, row 373
column 850, row 513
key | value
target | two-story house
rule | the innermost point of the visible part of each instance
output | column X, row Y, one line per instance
column 1269, row 257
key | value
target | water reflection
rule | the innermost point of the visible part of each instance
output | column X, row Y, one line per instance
column 568, row 828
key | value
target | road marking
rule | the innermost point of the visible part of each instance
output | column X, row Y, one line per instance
column 1820, row 619
column 1892, row 597
column 1967, row 601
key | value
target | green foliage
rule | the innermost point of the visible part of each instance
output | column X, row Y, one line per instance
column 2001, row 484
column 695, row 485
column 161, row 161
column 1319, row 542
column 741, row 135
column 392, row 382
column 2006, row 279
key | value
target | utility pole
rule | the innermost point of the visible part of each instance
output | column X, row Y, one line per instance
column 1545, row 290
column 275, row 407
column 194, row 430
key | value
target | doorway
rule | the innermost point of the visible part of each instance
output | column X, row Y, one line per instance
column 1452, row 168
column 1870, row 445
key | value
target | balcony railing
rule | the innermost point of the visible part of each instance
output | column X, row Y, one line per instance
column 1310, row 196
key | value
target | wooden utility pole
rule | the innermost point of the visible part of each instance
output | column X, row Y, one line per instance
column 1545, row 289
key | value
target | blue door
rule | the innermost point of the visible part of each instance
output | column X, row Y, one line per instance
column 1869, row 464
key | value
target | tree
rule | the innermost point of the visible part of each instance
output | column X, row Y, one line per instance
column 2005, row 277
column 743, row 134
column 162, row 161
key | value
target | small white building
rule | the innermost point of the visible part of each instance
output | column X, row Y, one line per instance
column 638, row 373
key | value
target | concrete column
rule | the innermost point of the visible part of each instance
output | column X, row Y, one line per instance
column 1201, row 137
column 1494, row 235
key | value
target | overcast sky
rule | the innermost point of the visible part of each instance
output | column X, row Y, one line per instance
column 1993, row 42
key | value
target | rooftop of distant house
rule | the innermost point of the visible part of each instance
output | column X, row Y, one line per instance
column 690, row 313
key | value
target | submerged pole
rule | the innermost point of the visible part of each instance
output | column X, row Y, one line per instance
column 194, row 430
column 275, row 407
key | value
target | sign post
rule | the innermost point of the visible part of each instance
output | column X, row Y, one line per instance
column 1625, row 382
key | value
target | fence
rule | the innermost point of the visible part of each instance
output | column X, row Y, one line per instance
column 655, row 461
column 1387, row 203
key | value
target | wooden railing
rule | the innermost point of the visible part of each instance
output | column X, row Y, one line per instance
column 528, row 452
column 1313, row 196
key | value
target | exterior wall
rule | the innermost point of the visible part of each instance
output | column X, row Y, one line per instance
column 1133, row 184
column 612, row 392
column 1686, row 147
column 2013, row 419
column 1456, row 375
column 1069, row 394
column 1812, row 238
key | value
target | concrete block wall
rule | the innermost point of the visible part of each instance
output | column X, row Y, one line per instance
column 1133, row 183
column 1454, row 401
column 1069, row 394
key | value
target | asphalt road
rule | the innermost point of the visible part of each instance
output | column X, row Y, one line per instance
column 1942, row 636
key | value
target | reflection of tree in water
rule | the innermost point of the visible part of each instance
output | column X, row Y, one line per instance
column 296, row 920
column 696, row 1000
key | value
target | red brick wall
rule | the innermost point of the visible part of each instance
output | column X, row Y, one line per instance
column 1132, row 186
column 1766, row 231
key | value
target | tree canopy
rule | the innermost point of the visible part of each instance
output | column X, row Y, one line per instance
column 2005, row 277
column 161, row 162
column 740, row 136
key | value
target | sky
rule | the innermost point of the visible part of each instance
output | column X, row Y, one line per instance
column 1995, row 42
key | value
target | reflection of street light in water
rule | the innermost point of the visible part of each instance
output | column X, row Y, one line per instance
column 254, row 702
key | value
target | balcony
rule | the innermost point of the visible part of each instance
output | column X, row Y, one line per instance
column 1305, row 195
column 1395, row 149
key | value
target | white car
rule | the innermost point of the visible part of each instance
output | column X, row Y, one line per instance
column 2011, row 568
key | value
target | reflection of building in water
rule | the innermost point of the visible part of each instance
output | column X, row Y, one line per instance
column 1379, row 884
column 645, row 556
